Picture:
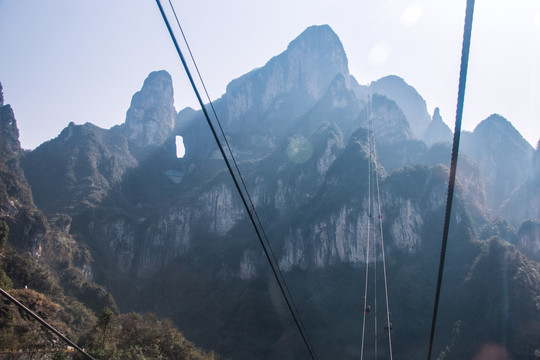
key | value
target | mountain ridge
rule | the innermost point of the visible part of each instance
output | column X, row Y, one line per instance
column 168, row 229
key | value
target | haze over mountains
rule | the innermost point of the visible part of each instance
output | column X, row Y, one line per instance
column 170, row 235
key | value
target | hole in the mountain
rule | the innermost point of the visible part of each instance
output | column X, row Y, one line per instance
column 180, row 149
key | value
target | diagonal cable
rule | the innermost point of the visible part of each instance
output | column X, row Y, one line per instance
column 368, row 238
column 250, row 201
column 45, row 324
column 275, row 268
column 388, row 324
column 453, row 163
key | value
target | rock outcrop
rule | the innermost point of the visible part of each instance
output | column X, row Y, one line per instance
column 437, row 131
column 150, row 118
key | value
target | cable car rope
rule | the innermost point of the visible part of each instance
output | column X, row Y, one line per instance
column 375, row 321
column 45, row 324
column 367, row 249
column 259, row 230
column 373, row 186
column 453, row 162
column 252, row 206
column 388, row 326
column 388, row 323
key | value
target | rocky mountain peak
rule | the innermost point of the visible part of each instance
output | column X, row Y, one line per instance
column 320, row 41
column 1, row 96
column 407, row 98
column 150, row 118
column 304, row 70
column 498, row 133
column 436, row 115
column 437, row 131
column 325, row 54
column 503, row 155
column 498, row 127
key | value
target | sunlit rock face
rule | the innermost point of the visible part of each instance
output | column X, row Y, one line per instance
column 221, row 206
column 348, row 233
column 271, row 102
column 309, row 64
column 150, row 118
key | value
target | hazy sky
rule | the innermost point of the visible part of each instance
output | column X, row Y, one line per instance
column 81, row 61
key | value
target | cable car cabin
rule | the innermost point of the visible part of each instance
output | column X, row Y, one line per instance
column 388, row 327
column 367, row 310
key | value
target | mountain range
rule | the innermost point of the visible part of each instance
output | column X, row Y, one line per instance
column 170, row 235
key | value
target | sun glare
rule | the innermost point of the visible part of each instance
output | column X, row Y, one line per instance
column 379, row 54
column 412, row 14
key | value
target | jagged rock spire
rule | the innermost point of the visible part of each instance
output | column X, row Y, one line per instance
column 150, row 118
column 437, row 131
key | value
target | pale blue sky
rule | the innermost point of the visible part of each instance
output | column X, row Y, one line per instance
column 81, row 61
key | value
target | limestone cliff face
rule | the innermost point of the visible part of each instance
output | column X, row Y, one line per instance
column 147, row 243
column 150, row 118
column 221, row 209
column 165, row 240
column 341, row 236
